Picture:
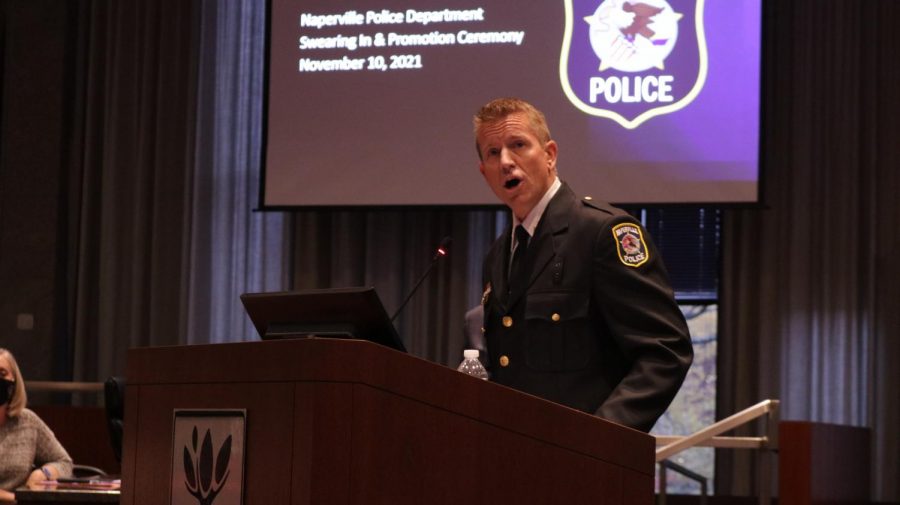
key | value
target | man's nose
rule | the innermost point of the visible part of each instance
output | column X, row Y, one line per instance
column 506, row 160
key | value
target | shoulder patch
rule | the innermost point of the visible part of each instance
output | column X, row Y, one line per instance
column 630, row 244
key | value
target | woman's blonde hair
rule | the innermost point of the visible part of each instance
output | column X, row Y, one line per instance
column 20, row 398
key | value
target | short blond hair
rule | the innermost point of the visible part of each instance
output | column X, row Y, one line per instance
column 20, row 398
column 500, row 108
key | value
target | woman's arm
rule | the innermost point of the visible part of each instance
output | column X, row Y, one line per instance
column 50, row 455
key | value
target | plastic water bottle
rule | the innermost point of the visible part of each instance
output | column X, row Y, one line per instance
column 470, row 365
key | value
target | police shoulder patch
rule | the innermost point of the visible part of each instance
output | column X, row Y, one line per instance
column 630, row 244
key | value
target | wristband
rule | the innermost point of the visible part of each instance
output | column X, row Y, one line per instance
column 46, row 472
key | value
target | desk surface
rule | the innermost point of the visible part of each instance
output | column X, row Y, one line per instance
column 70, row 496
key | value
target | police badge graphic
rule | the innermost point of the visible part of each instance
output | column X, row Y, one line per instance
column 630, row 244
column 631, row 60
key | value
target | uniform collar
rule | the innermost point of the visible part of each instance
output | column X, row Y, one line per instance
column 534, row 215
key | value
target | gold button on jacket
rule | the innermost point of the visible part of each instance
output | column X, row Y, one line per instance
column 507, row 321
column 504, row 360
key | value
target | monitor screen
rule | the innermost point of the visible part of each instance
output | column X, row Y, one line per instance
column 650, row 101
column 331, row 313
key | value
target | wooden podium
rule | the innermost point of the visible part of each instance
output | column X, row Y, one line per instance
column 352, row 422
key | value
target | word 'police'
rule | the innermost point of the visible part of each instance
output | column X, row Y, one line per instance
column 648, row 88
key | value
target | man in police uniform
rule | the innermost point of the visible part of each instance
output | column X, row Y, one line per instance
column 577, row 303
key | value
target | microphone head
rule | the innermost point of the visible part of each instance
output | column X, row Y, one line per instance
column 444, row 247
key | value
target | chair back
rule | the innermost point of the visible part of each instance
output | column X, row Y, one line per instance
column 114, row 397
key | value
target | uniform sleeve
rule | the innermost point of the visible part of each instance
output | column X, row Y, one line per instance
column 632, row 292
column 48, row 450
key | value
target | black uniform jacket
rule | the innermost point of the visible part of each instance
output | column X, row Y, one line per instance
column 597, row 327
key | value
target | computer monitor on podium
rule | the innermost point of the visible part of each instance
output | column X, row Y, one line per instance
column 335, row 312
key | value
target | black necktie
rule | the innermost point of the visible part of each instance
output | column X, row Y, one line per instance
column 517, row 276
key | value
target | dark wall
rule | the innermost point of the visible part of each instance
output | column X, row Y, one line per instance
column 32, row 157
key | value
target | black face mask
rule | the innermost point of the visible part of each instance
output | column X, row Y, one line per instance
column 7, row 388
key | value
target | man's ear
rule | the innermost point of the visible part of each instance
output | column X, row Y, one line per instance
column 551, row 149
column 481, row 168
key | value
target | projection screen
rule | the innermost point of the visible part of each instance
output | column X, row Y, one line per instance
column 370, row 103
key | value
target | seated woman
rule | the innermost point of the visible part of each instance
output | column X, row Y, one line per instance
column 29, row 453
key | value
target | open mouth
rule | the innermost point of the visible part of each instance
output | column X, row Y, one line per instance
column 512, row 183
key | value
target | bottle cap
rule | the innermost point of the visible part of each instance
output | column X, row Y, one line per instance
column 470, row 354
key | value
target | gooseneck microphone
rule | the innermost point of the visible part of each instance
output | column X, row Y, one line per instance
column 438, row 254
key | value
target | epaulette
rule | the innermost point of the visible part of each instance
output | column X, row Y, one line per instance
column 602, row 207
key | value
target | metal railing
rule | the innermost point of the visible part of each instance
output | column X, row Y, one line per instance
column 64, row 387
column 766, row 445
column 690, row 474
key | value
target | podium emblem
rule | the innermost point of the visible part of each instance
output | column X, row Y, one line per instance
column 207, row 457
